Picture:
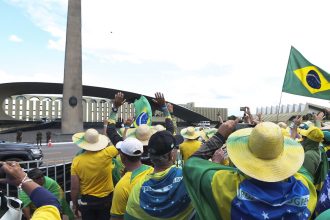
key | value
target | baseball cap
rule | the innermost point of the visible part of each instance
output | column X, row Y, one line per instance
column 313, row 133
column 163, row 142
column 131, row 147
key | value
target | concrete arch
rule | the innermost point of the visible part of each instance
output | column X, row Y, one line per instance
column 19, row 88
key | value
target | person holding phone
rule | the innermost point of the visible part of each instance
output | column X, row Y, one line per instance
column 47, row 204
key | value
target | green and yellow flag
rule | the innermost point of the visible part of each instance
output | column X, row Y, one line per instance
column 304, row 78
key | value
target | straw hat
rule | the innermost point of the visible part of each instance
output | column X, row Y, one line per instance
column 264, row 153
column 313, row 133
column 190, row 133
column 143, row 133
column 159, row 127
column 90, row 140
column 282, row 125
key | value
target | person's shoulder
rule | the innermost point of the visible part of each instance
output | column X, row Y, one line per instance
column 124, row 181
column 312, row 154
column 46, row 212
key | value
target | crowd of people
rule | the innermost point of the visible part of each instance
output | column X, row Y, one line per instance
column 244, row 168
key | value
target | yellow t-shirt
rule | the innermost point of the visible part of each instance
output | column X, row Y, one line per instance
column 124, row 187
column 188, row 148
column 47, row 212
column 94, row 170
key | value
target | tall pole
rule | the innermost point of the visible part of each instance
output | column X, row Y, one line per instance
column 72, row 86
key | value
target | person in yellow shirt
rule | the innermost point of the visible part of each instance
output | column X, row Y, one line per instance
column 131, row 150
column 191, row 143
column 91, row 175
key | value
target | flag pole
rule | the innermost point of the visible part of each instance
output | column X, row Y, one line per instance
column 278, row 109
column 279, row 105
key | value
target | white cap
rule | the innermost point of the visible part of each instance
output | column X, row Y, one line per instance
column 131, row 147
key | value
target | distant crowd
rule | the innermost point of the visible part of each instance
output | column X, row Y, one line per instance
column 243, row 168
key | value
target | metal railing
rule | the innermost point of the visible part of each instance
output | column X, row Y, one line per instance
column 57, row 170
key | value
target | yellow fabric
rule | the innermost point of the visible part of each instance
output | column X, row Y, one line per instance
column 47, row 212
column 302, row 76
column 123, row 189
column 94, row 170
column 312, row 196
column 313, row 133
column 224, row 195
column 188, row 148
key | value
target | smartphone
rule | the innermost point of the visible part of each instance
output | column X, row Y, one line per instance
column 242, row 109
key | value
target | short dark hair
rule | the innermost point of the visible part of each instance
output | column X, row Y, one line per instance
column 35, row 173
column 132, row 158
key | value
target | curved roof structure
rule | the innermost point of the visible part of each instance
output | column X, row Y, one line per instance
column 19, row 88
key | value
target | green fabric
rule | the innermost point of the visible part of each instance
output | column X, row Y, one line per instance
column 312, row 155
column 142, row 105
column 324, row 215
column 322, row 170
column 139, row 170
column 197, row 176
column 116, row 171
column 305, row 79
column 312, row 161
column 53, row 187
column 307, row 174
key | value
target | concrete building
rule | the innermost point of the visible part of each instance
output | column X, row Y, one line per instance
column 38, row 107
column 285, row 112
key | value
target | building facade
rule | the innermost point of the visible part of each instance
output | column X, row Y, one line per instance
column 38, row 107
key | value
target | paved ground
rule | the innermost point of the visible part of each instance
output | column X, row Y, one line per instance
column 30, row 136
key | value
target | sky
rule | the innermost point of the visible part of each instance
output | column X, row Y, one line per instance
column 215, row 53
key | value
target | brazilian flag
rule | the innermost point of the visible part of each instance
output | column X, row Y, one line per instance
column 304, row 78
column 143, row 112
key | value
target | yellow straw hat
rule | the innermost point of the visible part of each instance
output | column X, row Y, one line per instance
column 90, row 140
column 264, row 153
column 190, row 133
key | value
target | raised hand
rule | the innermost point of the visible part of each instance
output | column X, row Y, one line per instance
column 227, row 127
column 159, row 99
column 14, row 173
column 319, row 116
column 119, row 100
column 128, row 122
column 298, row 120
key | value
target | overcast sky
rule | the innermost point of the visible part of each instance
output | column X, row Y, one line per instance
column 214, row 53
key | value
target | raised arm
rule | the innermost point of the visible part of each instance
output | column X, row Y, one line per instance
column 111, row 128
column 207, row 150
column 161, row 103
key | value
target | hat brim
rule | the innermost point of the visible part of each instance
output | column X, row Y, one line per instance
column 274, row 170
column 80, row 141
column 196, row 134
column 304, row 132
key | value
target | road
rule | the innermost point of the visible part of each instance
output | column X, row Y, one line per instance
column 59, row 152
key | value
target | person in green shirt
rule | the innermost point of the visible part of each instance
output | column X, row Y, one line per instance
column 52, row 186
